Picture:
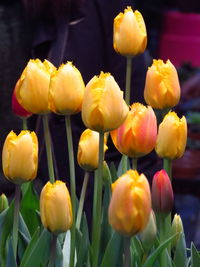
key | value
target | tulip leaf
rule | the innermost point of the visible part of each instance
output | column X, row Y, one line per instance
column 59, row 254
column 10, row 259
column 137, row 250
column 83, row 241
column 113, row 255
column 28, row 207
column 38, row 251
column 124, row 165
column 154, row 255
column 180, row 255
column 6, row 222
column 195, row 257
column 113, row 172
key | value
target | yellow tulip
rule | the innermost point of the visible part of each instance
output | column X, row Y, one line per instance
column 130, row 204
column 103, row 108
column 162, row 89
column 172, row 137
column 66, row 90
column 88, row 150
column 130, row 37
column 20, row 157
column 136, row 137
column 33, row 88
column 177, row 228
column 55, row 207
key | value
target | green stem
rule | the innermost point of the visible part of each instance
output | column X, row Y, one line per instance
column 163, row 236
column 47, row 138
column 82, row 199
column 124, row 163
column 127, row 254
column 53, row 251
column 128, row 79
column 134, row 163
column 24, row 124
column 96, row 231
column 72, row 185
column 168, row 167
column 16, row 219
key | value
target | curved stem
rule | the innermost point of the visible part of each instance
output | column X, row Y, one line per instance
column 72, row 185
column 96, row 229
column 47, row 138
column 134, row 163
column 127, row 253
column 168, row 167
column 16, row 219
column 24, row 124
column 128, row 79
column 53, row 251
column 82, row 199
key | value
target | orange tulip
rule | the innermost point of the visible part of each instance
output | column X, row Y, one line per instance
column 104, row 108
column 162, row 89
column 130, row 37
column 136, row 137
column 130, row 204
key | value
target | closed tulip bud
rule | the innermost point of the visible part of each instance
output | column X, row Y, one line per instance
column 148, row 235
column 172, row 137
column 88, row 150
column 162, row 193
column 3, row 202
column 104, row 108
column 55, row 207
column 33, row 88
column 66, row 90
column 20, row 157
column 130, row 37
column 136, row 137
column 16, row 107
column 177, row 228
column 162, row 89
column 130, row 204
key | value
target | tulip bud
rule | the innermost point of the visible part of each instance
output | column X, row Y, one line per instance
column 66, row 90
column 55, row 207
column 104, row 108
column 136, row 137
column 33, row 89
column 16, row 107
column 148, row 235
column 20, row 157
column 88, row 150
column 177, row 228
column 172, row 137
column 162, row 193
column 130, row 37
column 3, row 202
column 130, row 204
column 162, row 89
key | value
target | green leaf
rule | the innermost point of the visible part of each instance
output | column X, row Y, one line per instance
column 137, row 251
column 10, row 259
column 28, row 207
column 113, row 172
column 38, row 251
column 59, row 254
column 180, row 255
column 66, row 249
column 195, row 258
column 151, row 259
column 113, row 253
column 6, row 223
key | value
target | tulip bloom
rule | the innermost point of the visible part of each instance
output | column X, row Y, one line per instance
column 20, row 157
column 162, row 192
column 88, row 150
column 33, row 88
column 66, row 90
column 55, row 207
column 104, row 108
column 16, row 107
column 130, row 204
column 130, row 37
column 136, row 137
column 172, row 137
column 162, row 89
